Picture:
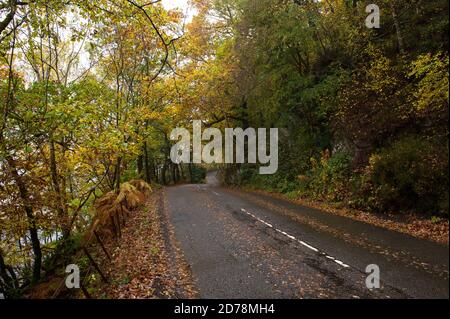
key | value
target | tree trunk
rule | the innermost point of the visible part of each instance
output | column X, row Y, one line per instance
column 35, row 244
column 173, row 173
column 140, row 167
column 182, row 173
column 190, row 173
column 154, row 170
column 4, row 288
column 177, row 170
column 148, row 175
column 398, row 30
column 118, row 174
column 163, row 174
column 9, row 17
column 57, row 189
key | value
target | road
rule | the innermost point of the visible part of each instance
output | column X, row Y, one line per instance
column 245, row 245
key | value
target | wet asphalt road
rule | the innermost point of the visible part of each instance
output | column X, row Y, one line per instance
column 247, row 245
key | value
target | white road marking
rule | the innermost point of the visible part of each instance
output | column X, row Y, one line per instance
column 295, row 239
column 309, row 246
column 341, row 263
column 217, row 194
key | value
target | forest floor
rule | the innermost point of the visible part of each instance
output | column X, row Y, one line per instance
column 147, row 264
column 422, row 227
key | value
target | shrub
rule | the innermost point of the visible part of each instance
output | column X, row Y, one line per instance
column 412, row 174
column 329, row 178
column 198, row 174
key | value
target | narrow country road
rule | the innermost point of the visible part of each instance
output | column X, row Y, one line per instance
column 246, row 245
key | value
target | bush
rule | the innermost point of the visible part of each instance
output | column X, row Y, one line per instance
column 329, row 179
column 412, row 174
column 198, row 174
column 278, row 182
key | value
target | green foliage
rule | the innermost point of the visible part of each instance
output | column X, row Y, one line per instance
column 277, row 182
column 331, row 83
column 412, row 174
column 198, row 174
column 328, row 179
column 433, row 73
column 62, row 253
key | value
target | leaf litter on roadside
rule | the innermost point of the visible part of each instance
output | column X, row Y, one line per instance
column 141, row 266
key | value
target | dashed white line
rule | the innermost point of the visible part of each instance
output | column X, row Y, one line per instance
column 341, row 263
column 295, row 239
column 309, row 246
column 291, row 237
